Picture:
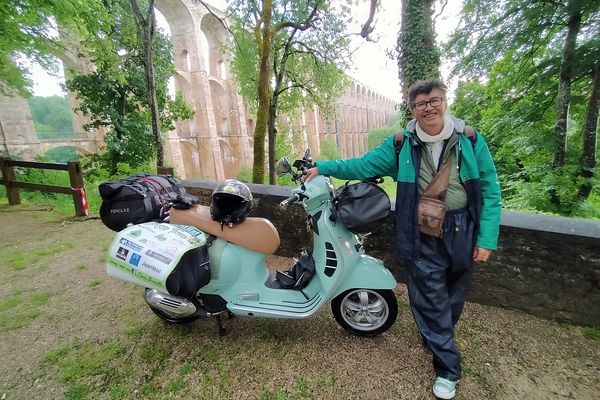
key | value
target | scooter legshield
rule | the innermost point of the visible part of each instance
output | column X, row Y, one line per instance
column 368, row 273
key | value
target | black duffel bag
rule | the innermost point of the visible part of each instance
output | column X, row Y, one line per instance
column 139, row 198
column 362, row 207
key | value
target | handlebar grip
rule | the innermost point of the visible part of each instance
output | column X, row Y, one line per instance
column 290, row 200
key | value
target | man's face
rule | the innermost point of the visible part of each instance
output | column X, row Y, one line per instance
column 428, row 109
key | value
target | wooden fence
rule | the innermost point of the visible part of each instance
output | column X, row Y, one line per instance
column 9, row 180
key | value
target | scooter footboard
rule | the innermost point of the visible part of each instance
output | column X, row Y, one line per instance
column 368, row 273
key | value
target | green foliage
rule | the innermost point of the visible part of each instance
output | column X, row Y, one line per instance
column 52, row 117
column 418, row 54
column 591, row 332
column 28, row 30
column 514, row 110
column 115, row 94
column 309, row 48
column 329, row 150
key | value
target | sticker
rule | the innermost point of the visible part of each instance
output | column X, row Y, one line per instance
column 122, row 253
column 135, row 259
column 130, row 244
column 135, row 233
column 158, row 257
column 151, row 267
column 161, row 237
column 189, row 229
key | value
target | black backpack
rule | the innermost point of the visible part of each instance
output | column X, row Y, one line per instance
column 139, row 198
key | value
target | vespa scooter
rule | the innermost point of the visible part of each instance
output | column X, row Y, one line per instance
column 359, row 287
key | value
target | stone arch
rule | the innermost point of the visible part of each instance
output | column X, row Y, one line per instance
column 191, row 159
column 215, row 35
column 221, row 108
column 230, row 163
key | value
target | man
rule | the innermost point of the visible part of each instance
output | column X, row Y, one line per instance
column 438, row 270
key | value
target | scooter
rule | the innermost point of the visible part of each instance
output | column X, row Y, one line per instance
column 359, row 287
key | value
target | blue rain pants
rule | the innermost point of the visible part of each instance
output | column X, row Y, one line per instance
column 438, row 281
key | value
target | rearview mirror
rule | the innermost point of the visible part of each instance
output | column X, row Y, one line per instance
column 283, row 166
column 308, row 155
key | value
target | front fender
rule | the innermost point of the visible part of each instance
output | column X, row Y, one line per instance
column 368, row 273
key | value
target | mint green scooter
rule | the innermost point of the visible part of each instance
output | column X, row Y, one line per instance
column 359, row 287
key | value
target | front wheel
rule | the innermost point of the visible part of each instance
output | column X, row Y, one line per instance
column 365, row 312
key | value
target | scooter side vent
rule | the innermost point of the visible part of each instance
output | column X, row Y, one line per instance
column 330, row 259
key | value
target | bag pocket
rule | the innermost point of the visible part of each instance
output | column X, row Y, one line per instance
column 430, row 216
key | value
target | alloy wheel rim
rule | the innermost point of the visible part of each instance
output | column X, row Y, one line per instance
column 364, row 309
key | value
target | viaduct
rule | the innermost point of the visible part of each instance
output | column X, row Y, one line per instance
column 218, row 141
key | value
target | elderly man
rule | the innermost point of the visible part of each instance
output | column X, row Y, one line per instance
column 438, row 269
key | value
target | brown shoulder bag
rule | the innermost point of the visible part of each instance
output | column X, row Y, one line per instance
column 432, row 203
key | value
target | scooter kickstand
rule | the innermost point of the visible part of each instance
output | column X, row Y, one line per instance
column 222, row 331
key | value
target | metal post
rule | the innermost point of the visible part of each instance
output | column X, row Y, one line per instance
column 8, row 174
column 76, row 178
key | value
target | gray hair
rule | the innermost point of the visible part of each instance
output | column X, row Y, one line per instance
column 424, row 87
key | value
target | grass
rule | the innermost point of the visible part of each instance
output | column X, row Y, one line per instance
column 591, row 332
column 20, row 309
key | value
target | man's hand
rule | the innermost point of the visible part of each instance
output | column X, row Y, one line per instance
column 481, row 254
column 310, row 173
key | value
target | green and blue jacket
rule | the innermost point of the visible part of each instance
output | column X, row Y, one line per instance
column 476, row 171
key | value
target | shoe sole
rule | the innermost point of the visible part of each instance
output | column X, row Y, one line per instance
column 444, row 396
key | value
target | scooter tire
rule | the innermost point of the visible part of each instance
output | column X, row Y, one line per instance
column 348, row 306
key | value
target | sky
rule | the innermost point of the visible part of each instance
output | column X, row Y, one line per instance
column 372, row 67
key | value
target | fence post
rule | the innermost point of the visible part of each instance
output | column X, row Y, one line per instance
column 76, row 178
column 8, row 174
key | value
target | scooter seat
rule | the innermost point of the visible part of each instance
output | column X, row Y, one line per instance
column 256, row 234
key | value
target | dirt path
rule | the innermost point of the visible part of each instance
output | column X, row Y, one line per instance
column 67, row 330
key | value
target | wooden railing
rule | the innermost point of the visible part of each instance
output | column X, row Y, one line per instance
column 9, row 180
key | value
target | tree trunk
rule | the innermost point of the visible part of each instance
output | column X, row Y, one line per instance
column 590, row 131
column 146, row 28
column 262, row 115
column 272, row 140
column 418, row 54
column 564, row 87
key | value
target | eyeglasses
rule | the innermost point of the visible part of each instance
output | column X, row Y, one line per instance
column 434, row 102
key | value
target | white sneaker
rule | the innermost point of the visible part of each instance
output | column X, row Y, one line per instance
column 444, row 388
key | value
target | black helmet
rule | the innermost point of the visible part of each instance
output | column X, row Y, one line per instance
column 230, row 202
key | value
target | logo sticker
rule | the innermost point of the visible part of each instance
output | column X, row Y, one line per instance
column 135, row 259
column 161, row 237
column 122, row 253
column 158, row 257
column 130, row 244
column 135, row 233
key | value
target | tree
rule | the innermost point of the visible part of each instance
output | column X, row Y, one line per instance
column 539, row 59
column 418, row 54
column 28, row 29
column 116, row 94
column 292, row 61
column 52, row 117
column 146, row 30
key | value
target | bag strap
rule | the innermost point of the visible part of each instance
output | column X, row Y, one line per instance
column 438, row 187
column 398, row 142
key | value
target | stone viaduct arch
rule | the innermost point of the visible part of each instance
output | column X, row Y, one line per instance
column 218, row 140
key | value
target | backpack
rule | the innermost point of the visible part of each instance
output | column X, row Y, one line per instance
column 137, row 199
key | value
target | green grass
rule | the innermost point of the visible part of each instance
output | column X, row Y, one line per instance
column 95, row 282
column 17, row 260
column 20, row 309
column 591, row 332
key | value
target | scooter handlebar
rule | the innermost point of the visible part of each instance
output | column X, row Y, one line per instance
column 290, row 200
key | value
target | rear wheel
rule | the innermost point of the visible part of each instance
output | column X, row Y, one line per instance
column 365, row 312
